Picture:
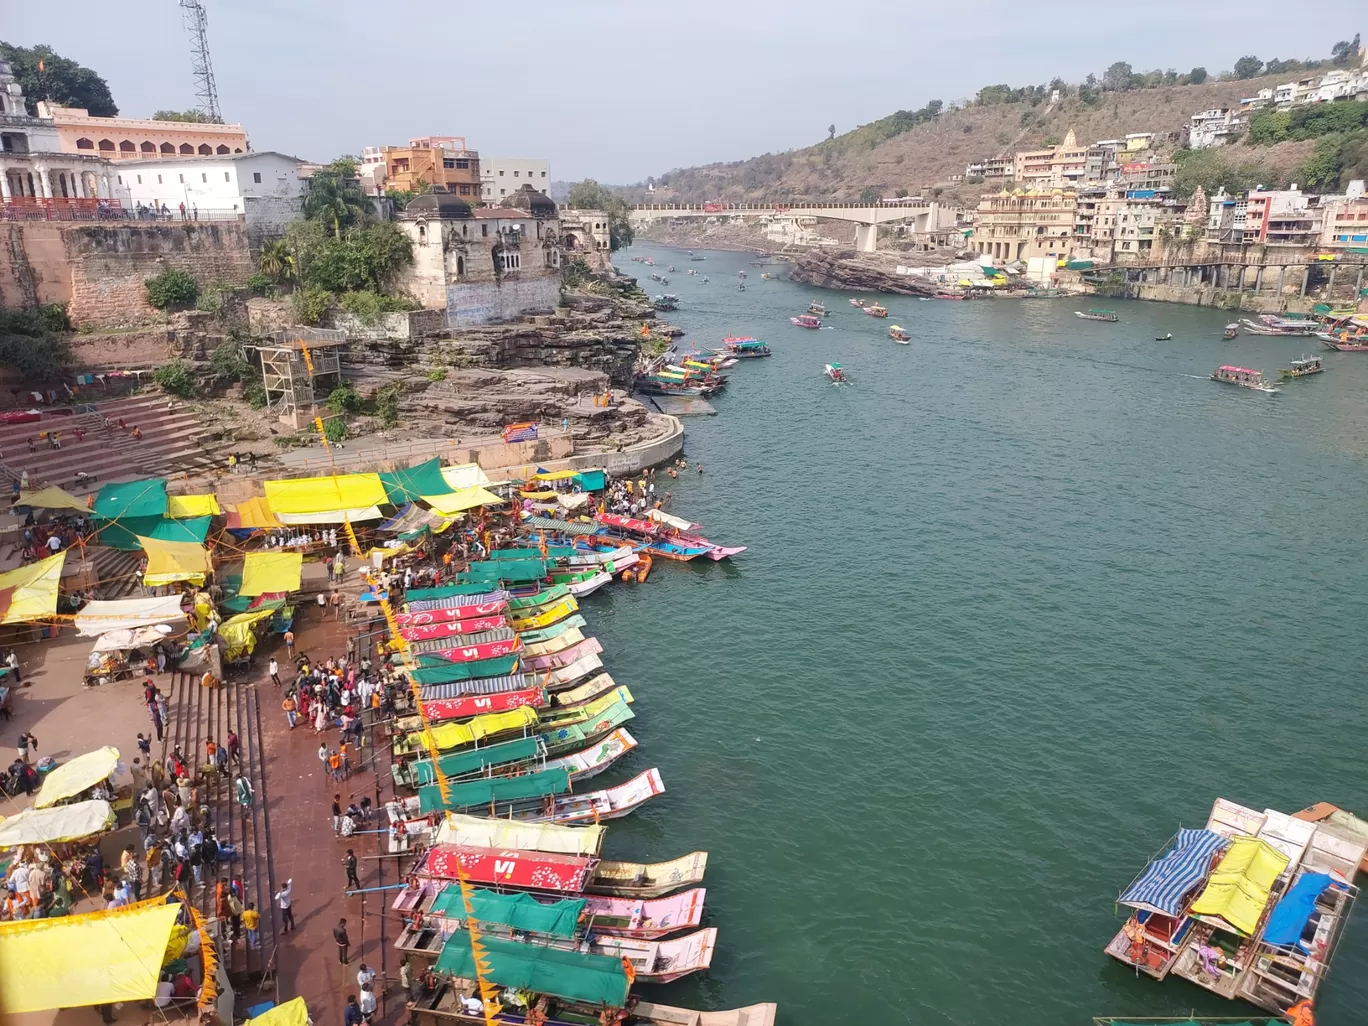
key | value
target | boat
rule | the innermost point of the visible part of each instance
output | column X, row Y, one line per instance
column 898, row 335
column 642, row 570
column 857, row 302
column 668, row 301
column 1167, row 336
column 766, row 276
column 947, row 294
column 646, row 879
column 671, row 268
column 1244, row 377
column 741, row 275
column 654, row 918
column 592, row 761
column 805, row 321
column 1302, row 368
column 452, row 628
column 1337, row 821
column 1231, row 330
column 664, row 280
column 655, row 276
column 1097, row 315
column 1287, row 326
column 706, row 279
column 694, row 256
column 1348, row 335
column 564, row 657
column 835, row 373
column 876, row 310
column 746, row 348
column 817, row 308
column 596, row 806
column 661, row 961
column 471, row 648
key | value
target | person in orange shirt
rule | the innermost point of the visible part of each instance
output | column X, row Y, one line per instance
column 335, row 765
column 345, row 752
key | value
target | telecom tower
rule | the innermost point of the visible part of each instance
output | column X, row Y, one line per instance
column 197, row 24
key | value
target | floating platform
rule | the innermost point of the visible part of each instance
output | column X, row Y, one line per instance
column 684, row 405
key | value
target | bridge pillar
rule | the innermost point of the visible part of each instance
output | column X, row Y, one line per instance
column 866, row 238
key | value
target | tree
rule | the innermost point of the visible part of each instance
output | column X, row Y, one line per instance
column 335, row 198
column 277, row 262
column 590, row 195
column 1344, row 51
column 831, row 132
column 29, row 344
column 61, row 81
column 1248, row 67
column 182, row 115
column 871, row 194
column 1197, row 76
column 1119, row 77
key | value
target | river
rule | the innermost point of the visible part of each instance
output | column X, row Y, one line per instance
column 1026, row 596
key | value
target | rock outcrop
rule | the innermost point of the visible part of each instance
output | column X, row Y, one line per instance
column 844, row 269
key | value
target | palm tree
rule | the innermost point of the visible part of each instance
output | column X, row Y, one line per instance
column 335, row 201
column 277, row 262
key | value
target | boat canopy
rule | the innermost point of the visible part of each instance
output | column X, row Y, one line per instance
column 562, row 526
column 487, row 790
column 460, row 764
column 1238, row 370
column 1240, row 885
column 1290, row 915
column 541, row 970
column 1170, row 878
column 451, row 672
column 670, row 520
column 541, row 598
column 451, row 591
column 518, row 910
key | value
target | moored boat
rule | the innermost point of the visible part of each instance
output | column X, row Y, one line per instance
column 667, row 302
column 875, row 310
column 897, row 334
column 1097, row 315
column 1303, row 368
column 654, row 918
column 1243, row 377
column 1268, row 324
column 1231, row 331
column 835, row 373
column 818, row 309
column 746, row 348
column 806, row 321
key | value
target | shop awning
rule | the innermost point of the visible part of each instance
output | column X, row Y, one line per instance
column 541, row 970
column 464, row 499
column 414, row 518
column 556, row 475
column 126, row 641
column 97, row 958
column 146, row 498
column 73, row 777
column 253, row 514
column 562, row 526
column 51, row 498
column 168, row 561
column 270, row 572
column 406, row 485
column 124, row 614
column 30, row 593
column 181, row 506
column 237, row 632
column 324, row 494
column 59, row 823
column 331, row 516
column 465, row 475
column 592, row 480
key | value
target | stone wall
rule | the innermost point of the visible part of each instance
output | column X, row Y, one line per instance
column 400, row 325
column 473, row 304
column 33, row 265
column 267, row 217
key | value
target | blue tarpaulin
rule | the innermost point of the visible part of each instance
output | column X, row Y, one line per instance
column 1172, row 876
column 1289, row 916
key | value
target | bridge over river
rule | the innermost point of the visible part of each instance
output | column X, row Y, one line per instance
column 925, row 215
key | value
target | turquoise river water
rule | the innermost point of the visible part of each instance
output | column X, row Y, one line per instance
column 1025, row 597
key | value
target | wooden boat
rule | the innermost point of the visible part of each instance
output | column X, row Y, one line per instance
column 1303, row 368
column 555, row 630
column 466, row 706
column 547, row 616
column 452, row 628
column 876, row 310
column 817, row 309
column 662, row 961
column 1244, row 378
column 679, row 531
column 551, row 872
column 581, row 694
column 592, row 582
column 599, row 707
column 1271, row 325
column 565, row 657
column 592, row 761
column 835, row 373
column 657, row 917
column 452, row 614
column 1097, row 315
column 1338, row 821
column 456, row 604
column 501, row 757
column 564, row 640
column 805, row 321
column 596, row 806
column 898, row 335
column 640, row 572
column 1345, row 342
column 666, row 302
column 947, row 294
column 857, row 302
column 433, row 692
column 746, row 348
column 471, row 648
column 652, row 1014
column 1231, row 331
column 647, row 880
column 525, row 605
column 568, row 676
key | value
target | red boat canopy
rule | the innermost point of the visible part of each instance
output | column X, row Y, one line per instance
column 1239, row 370
column 627, row 523
column 531, row 870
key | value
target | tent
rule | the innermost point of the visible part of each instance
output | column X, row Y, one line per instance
column 406, row 485
column 323, row 494
column 1170, row 878
column 237, row 632
column 670, row 520
column 71, row 778
column 171, row 561
column 592, row 480
column 271, row 573
column 251, row 515
column 542, row 970
column 1290, row 915
column 146, row 498
column 126, row 641
column 51, row 498
column 124, row 534
column 30, row 593
column 414, row 519
column 463, row 499
column 124, row 614
column 181, row 506
column 60, row 823
column 291, row 1013
column 331, row 516
column 92, row 959
column 465, row 475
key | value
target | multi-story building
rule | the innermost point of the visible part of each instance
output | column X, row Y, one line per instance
column 1059, row 166
column 1101, row 164
column 1283, row 217
column 1260, row 100
column 209, row 183
column 1019, row 225
column 502, row 176
column 437, row 163
column 1214, row 127
column 992, row 169
column 1292, row 93
column 34, row 169
column 585, row 234
column 140, row 138
column 1345, row 222
column 1226, row 217
column 1146, row 176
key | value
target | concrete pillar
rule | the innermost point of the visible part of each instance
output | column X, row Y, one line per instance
column 1242, row 277
column 44, row 182
column 1358, row 285
column 1306, row 280
column 1282, row 274
column 4, row 186
column 866, row 238
column 78, row 184
column 1258, row 279
column 1330, row 287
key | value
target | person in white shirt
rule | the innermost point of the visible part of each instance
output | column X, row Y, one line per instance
column 367, row 1004
column 284, row 897
column 54, row 544
column 365, row 976
column 273, row 668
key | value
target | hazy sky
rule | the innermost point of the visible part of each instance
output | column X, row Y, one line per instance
column 621, row 89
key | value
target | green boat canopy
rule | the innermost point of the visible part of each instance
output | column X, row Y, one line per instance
column 592, row 480
column 124, row 533
column 145, row 498
column 520, row 911
column 553, row 552
column 494, row 571
column 445, row 591
column 542, row 970
column 453, row 672
column 475, row 793
column 541, row 598
column 409, row 485
column 461, row 764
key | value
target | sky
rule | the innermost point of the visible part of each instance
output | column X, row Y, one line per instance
column 621, row 89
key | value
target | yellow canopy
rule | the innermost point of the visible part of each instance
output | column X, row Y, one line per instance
column 97, row 958
column 60, row 823
column 170, row 561
column 541, row 496
column 466, row 475
column 255, row 513
column 291, row 1013
column 51, row 498
column 1241, row 883
column 321, row 494
column 264, row 572
column 237, row 632
column 74, row 777
column 466, row 498
column 192, row 506
column 30, row 593
column 561, row 475
column 453, row 735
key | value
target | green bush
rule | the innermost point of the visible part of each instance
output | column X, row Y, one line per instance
column 344, row 399
column 335, row 429
column 172, row 289
column 229, row 361
column 368, row 306
column 311, row 303
column 176, row 378
column 437, row 374
column 254, row 394
column 387, row 403
column 260, row 285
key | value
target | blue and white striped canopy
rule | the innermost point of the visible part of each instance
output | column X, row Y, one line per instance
column 1176, row 873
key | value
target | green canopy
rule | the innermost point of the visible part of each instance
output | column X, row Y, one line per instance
column 521, row 911
column 146, row 498
column 542, row 970
column 462, row 764
column 500, row 667
column 475, row 793
column 445, row 591
column 124, row 533
column 515, row 570
column 407, row 485
column 592, row 480
column 541, row 598
column 532, row 552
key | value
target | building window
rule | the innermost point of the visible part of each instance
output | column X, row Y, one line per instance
column 515, row 174
column 225, row 177
column 127, row 147
column 237, row 149
column 148, row 147
column 501, row 172
column 167, row 148
column 543, row 174
column 222, row 149
column 256, row 177
column 465, row 190
column 460, row 265
column 484, row 230
column 448, row 163
column 187, row 148
column 205, row 149
column 182, row 179
column 159, row 181
column 463, row 165
column 422, row 234
column 510, row 261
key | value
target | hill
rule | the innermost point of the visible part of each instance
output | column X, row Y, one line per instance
column 896, row 153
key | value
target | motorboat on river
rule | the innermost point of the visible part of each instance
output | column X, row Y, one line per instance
column 818, row 309
column 876, row 310
column 1303, row 368
column 806, row 321
column 897, row 334
column 1244, row 378
column 836, row 374
column 1097, row 315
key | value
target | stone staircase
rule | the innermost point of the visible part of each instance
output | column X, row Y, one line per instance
column 117, row 572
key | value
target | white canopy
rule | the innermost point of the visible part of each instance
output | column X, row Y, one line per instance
column 125, row 614
column 60, row 823
column 333, row 516
column 669, row 520
column 125, row 641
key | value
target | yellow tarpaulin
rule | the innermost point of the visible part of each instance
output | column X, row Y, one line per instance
column 168, row 561
column 548, row 616
column 254, row 513
column 30, row 593
column 237, row 632
column 1241, row 883
column 51, row 498
column 291, row 1013
column 264, row 572
column 192, row 506
column 453, row 735
column 466, row 475
column 60, row 823
column 540, row 496
column 97, row 958
column 75, row 776
column 561, row 475
column 320, row 494
column 465, row 498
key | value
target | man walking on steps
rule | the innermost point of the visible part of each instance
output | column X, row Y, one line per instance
column 353, row 882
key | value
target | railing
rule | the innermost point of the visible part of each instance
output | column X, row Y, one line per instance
column 31, row 208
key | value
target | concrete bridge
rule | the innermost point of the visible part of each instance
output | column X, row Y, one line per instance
column 926, row 215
